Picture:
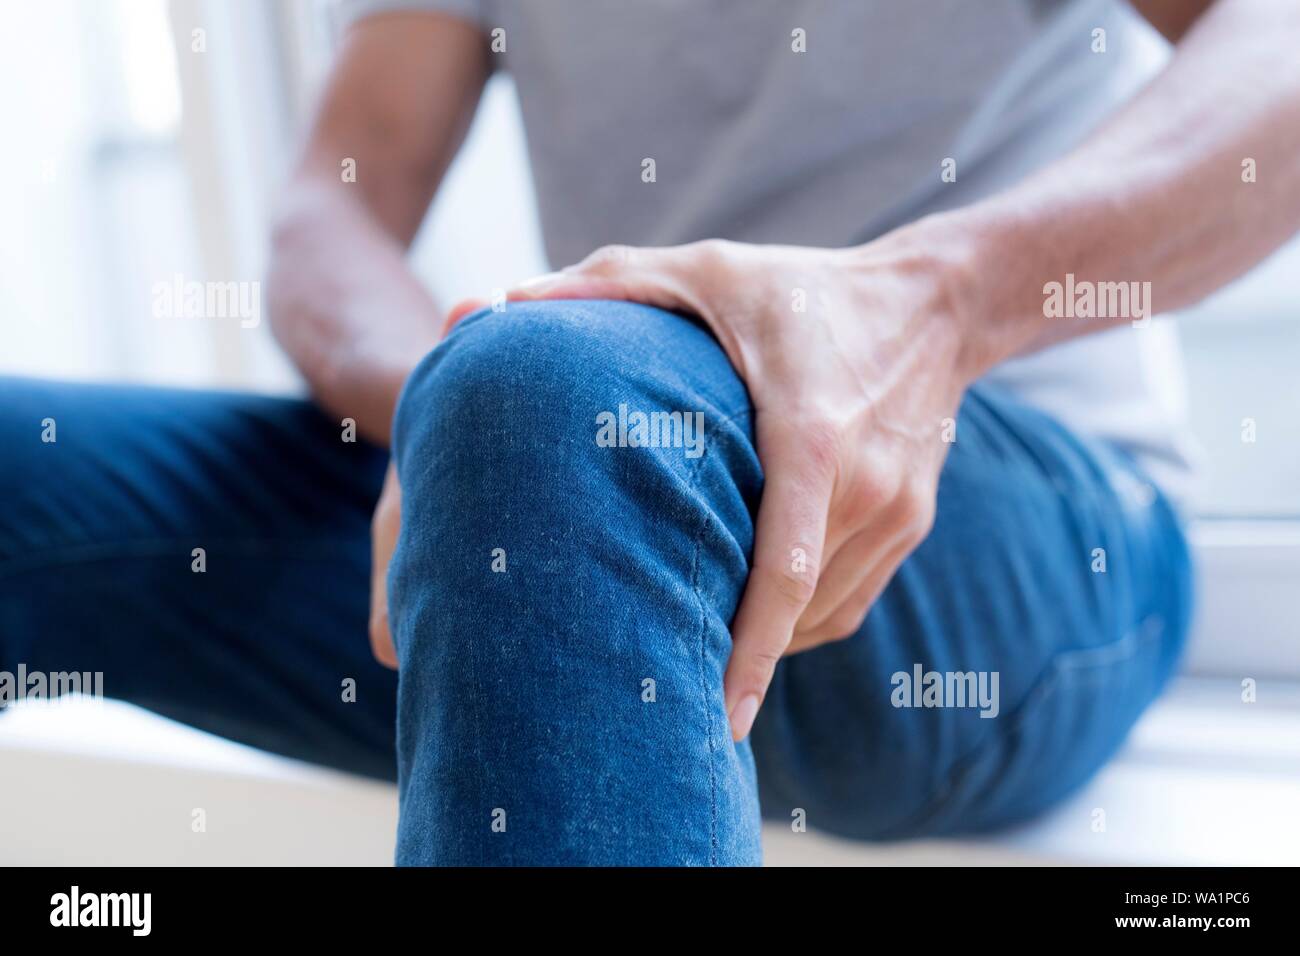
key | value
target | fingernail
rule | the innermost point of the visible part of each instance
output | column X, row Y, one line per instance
column 742, row 716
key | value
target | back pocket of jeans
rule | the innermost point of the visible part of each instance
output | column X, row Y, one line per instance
column 1070, row 723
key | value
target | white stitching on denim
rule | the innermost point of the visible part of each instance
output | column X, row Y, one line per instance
column 703, row 615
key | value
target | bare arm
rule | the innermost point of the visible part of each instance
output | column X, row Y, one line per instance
column 343, row 302
column 1157, row 194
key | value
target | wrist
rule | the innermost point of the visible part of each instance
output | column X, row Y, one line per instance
column 943, row 269
column 986, row 277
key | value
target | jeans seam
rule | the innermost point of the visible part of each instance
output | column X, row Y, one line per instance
column 704, row 690
column 480, row 771
column 704, row 685
column 479, row 762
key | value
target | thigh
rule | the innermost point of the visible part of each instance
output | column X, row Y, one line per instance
column 208, row 552
column 1009, row 656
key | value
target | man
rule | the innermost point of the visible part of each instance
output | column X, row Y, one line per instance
column 928, row 569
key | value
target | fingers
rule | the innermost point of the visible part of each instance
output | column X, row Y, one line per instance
column 788, row 540
column 857, row 573
column 384, row 529
column 847, row 618
column 462, row 308
column 648, row 275
column 846, row 569
column 559, row 285
column 613, row 272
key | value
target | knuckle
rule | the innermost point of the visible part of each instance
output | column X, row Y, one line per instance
column 917, row 508
column 795, row 587
column 875, row 488
column 923, row 519
column 848, row 624
column 608, row 258
column 907, row 503
column 710, row 252
column 819, row 441
column 840, row 626
column 765, row 659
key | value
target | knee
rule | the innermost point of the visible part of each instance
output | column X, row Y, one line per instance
column 558, row 382
column 502, row 439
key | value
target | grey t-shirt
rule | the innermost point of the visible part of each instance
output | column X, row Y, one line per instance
column 825, row 123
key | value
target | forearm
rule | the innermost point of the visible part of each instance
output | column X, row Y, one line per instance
column 1157, row 195
column 343, row 302
column 345, row 305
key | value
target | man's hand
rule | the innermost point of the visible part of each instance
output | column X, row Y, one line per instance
column 855, row 363
column 384, row 526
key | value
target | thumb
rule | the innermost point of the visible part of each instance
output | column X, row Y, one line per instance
column 384, row 528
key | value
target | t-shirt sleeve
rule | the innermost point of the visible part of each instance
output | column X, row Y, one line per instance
column 350, row 11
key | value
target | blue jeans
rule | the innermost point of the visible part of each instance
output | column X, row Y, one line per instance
column 560, row 608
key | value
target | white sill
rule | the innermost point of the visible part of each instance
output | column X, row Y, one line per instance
column 1205, row 779
column 100, row 782
column 1244, row 624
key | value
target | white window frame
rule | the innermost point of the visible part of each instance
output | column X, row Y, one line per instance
column 235, row 130
column 1247, row 621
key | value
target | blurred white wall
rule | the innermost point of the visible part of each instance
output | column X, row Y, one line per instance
column 140, row 158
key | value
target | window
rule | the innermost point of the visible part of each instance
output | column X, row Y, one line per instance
column 96, row 197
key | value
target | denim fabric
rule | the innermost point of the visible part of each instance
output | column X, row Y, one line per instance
column 96, row 535
column 543, row 581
